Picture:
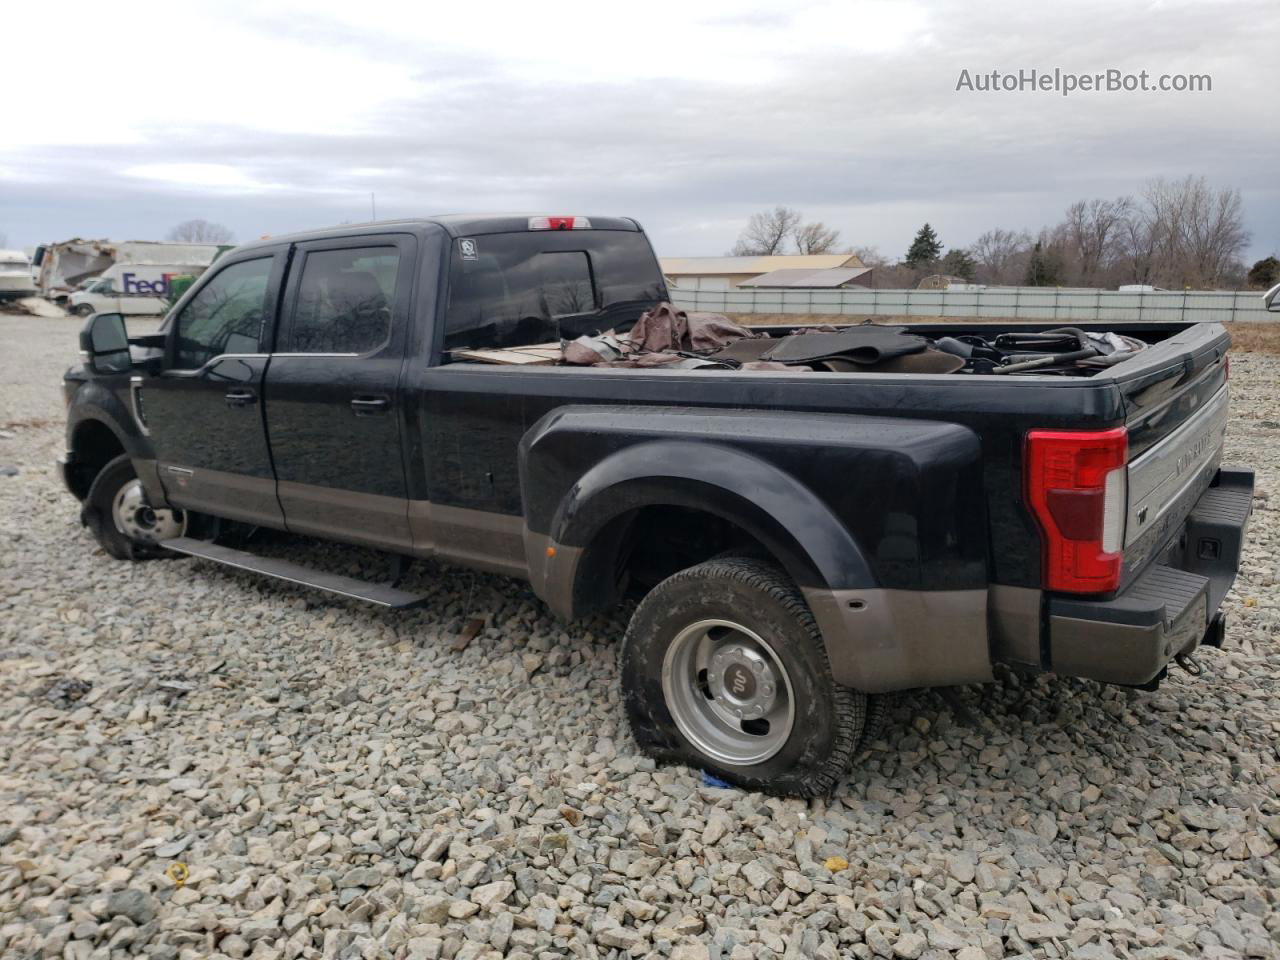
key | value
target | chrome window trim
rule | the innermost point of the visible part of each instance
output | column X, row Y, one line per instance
column 188, row 372
column 326, row 356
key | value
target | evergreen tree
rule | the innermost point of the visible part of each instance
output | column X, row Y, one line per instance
column 1042, row 270
column 925, row 248
column 1265, row 273
column 960, row 263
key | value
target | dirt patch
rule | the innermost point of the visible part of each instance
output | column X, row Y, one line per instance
column 28, row 423
column 1255, row 337
column 32, row 307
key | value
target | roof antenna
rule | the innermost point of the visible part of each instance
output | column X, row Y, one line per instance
column 373, row 205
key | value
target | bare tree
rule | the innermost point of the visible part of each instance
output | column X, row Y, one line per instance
column 1192, row 234
column 1176, row 233
column 199, row 231
column 870, row 256
column 1092, row 233
column 1001, row 255
column 1213, row 236
column 1139, row 239
column 766, row 233
column 815, row 238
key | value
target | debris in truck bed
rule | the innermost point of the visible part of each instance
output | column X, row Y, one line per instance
column 539, row 354
column 663, row 336
column 866, row 344
column 673, row 339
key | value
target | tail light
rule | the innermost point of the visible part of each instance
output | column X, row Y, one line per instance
column 1077, row 486
column 559, row 223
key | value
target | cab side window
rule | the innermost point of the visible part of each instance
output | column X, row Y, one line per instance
column 225, row 316
column 344, row 301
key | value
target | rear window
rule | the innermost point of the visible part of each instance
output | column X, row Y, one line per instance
column 516, row 289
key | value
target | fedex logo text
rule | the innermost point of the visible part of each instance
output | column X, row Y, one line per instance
column 156, row 288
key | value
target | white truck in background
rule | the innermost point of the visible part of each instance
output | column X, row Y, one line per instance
column 62, row 267
column 129, row 289
column 15, row 275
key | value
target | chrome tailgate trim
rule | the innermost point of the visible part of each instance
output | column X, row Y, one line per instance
column 1159, row 477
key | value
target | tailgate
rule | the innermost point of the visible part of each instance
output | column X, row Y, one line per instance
column 1176, row 415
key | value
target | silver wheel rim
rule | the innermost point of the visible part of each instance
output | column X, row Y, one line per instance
column 728, row 692
column 136, row 519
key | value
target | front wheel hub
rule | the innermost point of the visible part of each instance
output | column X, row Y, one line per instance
column 138, row 520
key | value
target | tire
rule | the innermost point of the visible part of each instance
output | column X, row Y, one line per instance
column 119, row 521
column 877, row 716
column 735, row 634
column 83, row 310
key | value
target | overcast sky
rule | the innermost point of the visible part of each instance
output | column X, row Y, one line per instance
column 124, row 118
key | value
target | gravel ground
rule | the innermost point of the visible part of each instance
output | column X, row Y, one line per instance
column 343, row 782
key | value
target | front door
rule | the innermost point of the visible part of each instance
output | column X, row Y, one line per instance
column 204, row 411
column 332, row 398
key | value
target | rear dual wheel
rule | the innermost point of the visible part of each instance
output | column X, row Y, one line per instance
column 724, row 668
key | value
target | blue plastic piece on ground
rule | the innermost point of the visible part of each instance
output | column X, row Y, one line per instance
column 709, row 781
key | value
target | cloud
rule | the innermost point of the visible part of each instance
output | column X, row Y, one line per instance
column 198, row 176
column 689, row 117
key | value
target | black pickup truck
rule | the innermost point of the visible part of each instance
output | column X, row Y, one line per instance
column 801, row 539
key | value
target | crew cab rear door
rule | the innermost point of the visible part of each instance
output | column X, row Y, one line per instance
column 333, row 404
column 203, row 411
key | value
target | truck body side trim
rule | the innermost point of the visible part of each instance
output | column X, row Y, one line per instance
column 1016, row 630
column 493, row 542
column 883, row 640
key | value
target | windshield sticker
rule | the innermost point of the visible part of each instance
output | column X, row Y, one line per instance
column 469, row 249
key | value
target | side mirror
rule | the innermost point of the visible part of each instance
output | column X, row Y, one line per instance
column 104, row 343
column 1271, row 299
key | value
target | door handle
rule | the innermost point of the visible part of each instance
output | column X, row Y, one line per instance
column 369, row 406
column 241, row 398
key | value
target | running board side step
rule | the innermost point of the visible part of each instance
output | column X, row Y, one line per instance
column 378, row 593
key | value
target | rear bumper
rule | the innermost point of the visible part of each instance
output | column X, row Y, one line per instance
column 1171, row 608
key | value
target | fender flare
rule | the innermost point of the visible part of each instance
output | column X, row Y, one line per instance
column 775, row 508
column 583, row 467
column 797, row 528
column 95, row 403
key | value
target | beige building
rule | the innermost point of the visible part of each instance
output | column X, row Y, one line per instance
column 726, row 273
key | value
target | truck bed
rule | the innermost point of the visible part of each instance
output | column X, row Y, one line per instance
column 714, row 343
column 478, row 412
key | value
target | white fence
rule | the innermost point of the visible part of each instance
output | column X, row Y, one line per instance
column 1017, row 303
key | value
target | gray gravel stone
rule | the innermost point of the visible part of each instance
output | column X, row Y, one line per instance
column 138, row 905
